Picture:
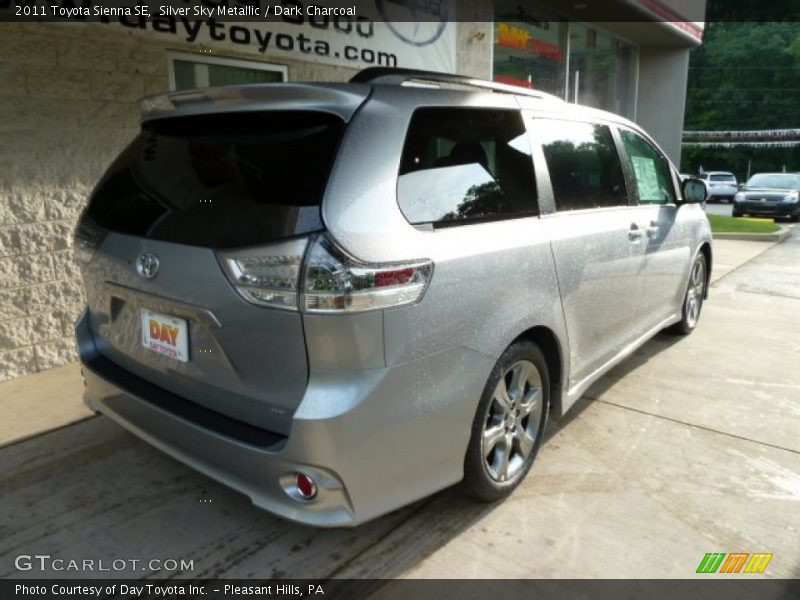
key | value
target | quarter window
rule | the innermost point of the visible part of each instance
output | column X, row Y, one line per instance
column 585, row 171
column 464, row 165
column 650, row 170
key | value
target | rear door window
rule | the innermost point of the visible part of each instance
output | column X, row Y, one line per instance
column 221, row 181
column 650, row 169
column 584, row 166
column 462, row 165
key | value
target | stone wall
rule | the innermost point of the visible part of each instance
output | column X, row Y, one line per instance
column 68, row 105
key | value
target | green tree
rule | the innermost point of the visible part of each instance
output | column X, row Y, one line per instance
column 746, row 75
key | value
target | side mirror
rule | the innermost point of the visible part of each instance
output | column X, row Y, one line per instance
column 695, row 191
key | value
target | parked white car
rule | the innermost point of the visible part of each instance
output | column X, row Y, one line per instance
column 722, row 185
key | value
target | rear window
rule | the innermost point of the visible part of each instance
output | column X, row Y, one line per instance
column 221, row 181
column 462, row 165
column 730, row 178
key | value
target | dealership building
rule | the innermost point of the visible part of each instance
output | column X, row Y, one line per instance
column 68, row 102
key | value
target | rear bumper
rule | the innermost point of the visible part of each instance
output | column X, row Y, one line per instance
column 373, row 440
column 722, row 194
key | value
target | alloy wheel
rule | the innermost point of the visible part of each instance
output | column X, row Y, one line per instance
column 694, row 295
column 512, row 421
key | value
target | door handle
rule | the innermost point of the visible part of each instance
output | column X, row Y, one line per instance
column 652, row 231
column 635, row 234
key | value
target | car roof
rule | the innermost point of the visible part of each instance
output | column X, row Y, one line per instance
column 343, row 99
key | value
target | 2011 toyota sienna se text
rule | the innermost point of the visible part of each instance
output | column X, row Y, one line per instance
column 340, row 298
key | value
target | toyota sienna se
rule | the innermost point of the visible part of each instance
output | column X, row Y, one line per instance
column 341, row 298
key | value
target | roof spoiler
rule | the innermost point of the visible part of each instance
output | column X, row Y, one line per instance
column 391, row 76
column 338, row 99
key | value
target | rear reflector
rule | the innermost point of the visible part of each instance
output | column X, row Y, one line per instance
column 306, row 488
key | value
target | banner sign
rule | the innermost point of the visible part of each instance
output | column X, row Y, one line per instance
column 416, row 34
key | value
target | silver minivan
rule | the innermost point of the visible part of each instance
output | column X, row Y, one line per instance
column 341, row 298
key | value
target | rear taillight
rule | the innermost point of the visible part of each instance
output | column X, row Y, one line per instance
column 332, row 281
column 336, row 283
column 268, row 275
column 88, row 237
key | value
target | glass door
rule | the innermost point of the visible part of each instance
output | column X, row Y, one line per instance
column 601, row 71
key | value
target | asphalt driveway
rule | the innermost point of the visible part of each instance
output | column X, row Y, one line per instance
column 691, row 446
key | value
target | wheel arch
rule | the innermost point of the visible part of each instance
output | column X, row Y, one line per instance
column 705, row 248
column 551, row 347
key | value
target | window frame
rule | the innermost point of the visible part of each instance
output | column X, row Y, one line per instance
column 630, row 176
column 547, row 200
column 201, row 59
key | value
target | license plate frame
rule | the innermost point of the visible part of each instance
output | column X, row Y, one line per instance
column 164, row 334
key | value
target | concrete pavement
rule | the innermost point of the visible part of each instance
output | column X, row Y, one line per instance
column 731, row 254
column 691, row 446
column 37, row 403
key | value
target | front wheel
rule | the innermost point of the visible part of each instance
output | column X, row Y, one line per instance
column 737, row 213
column 509, row 423
column 693, row 300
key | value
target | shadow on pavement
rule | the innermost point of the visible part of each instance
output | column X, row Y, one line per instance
column 93, row 491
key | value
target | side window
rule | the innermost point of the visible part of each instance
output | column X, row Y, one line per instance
column 466, row 164
column 650, row 169
column 584, row 166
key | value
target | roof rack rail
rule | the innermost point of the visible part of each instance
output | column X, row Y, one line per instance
column 392, row 76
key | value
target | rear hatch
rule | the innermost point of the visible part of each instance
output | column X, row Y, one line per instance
column 188, row 191
column 722, row 184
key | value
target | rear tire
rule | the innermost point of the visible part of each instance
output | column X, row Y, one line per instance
column 737, row 213
column 693, row 298
column 509, row 424
column 795, row 218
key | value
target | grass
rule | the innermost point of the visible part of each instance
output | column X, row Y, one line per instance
column 720, row 224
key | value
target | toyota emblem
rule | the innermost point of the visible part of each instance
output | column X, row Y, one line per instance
column 415, row 22
column 147, row 265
